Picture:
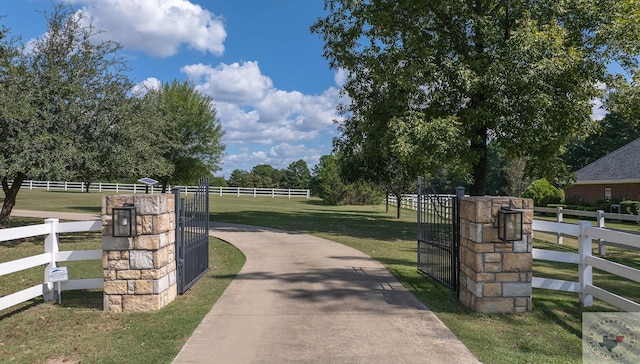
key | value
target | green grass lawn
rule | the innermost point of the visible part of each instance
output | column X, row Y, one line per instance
column 551, row 333
column 78, row 331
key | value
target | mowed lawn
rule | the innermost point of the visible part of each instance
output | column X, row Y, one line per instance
column 551, row 333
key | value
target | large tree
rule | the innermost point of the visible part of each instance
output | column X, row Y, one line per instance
column 193, row 133
column 524, row 72
column 63, row 107
column 240, row 178
column 265, row 176
column 328, row 184
column 297, row 175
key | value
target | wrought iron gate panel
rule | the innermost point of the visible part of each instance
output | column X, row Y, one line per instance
column 192, row 235
column 439, row 235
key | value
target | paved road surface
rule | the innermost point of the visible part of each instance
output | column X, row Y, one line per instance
column 302, row 299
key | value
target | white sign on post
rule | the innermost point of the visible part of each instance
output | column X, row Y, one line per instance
column 58, row 274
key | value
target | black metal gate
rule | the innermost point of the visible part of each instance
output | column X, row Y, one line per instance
column 192, row 235
column 439, row 235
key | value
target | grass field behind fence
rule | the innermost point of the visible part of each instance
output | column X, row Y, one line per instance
column 551, row 333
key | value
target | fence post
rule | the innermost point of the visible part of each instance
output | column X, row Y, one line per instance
column 419, row 220
column 559, row 218
column 585, row 272
column 51, row 248
column 602, row 250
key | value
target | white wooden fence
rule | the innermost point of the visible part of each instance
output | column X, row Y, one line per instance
column 410, row 202
column 141, row 188
column 51, row 256
column 600, row 217
column 585, row 260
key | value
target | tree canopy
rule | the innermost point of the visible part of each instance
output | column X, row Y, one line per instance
column 192, row 132
column 522, row 72
column 64, row 109
column 295, row 176
column 328, row 184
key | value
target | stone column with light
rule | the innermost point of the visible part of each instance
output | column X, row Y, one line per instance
column 495, row 275
column 140, row 271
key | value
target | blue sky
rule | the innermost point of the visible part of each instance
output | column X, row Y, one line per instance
column 274, row 92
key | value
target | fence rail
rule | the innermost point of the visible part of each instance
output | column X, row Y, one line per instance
column 585, row 260
column 600, row 217
column 600, row 214
column 410, row 202
column 51, row 256
column 141, row 188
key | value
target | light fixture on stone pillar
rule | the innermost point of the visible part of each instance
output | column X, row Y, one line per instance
column 124, row 221
column 509, row 224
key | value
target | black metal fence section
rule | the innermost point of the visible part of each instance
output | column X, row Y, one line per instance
column 192, row 235
column 439, row 235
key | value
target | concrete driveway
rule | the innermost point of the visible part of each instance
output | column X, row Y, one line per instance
column 303, row 299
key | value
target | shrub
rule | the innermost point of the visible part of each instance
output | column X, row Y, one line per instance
column 543, row 193
column 630, row 207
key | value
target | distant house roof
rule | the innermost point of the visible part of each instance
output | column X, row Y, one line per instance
column 620, row 166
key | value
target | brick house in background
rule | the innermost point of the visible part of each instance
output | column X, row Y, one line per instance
column 614, row 177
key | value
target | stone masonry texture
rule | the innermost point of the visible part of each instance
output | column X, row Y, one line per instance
column 495, row 276
column 140, row 272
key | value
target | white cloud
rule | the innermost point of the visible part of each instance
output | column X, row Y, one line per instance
column 598, row 112
column 252, row 110
column 279, row 156
column 157, row 27
column 143, row 87
column 341, row 77
column 239, row 83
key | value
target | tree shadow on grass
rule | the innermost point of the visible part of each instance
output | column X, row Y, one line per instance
column 560, row 310
column 91, row 299
column 19, row 308
column 359, row 225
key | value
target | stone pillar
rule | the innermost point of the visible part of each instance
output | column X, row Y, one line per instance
column 140, row 272
column 495, row 276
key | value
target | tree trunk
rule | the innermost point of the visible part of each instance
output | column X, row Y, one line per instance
column 399, row 199
column 386, row 204
column 10, row 193
column 164, row 182
column 479, row 148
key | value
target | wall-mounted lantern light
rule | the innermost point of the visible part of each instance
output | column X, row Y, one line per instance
column 124, row 221
column 509, row 224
